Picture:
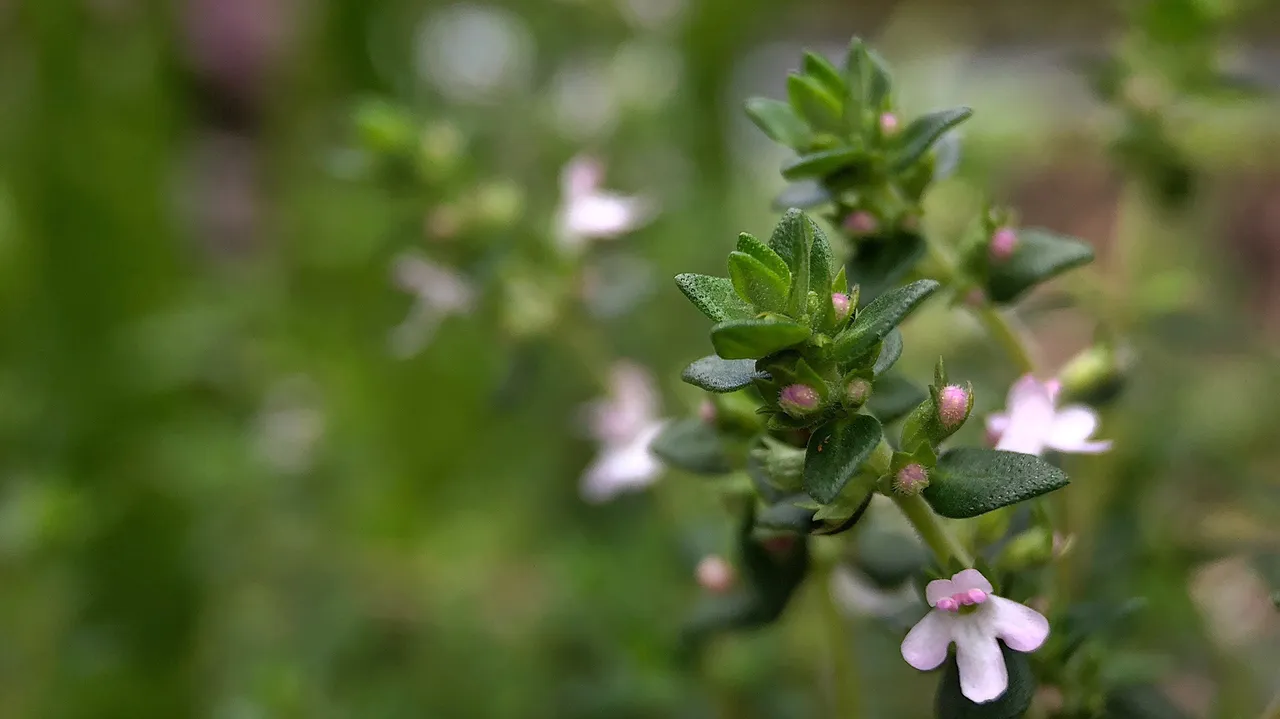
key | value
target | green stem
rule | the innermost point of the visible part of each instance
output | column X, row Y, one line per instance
column 845, row 692
column 932, row 531
column 1000, row 326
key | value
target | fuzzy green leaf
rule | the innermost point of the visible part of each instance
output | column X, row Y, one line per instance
column 890, row 351
column 868, row 78
column 692, row 445
column 779, row 121
column 821, row 69
column 1037, row 257
column 756, row 338
column 792, row 239
column 777, row 265
column 950, row 702
column 787, row 515
column 882, row 262
column 823, row 163
column 714, row 296
column 757, row 284
column 922, row 133
column 714, row 374
column 815, row 104
column 969, row 481
column 835, row 452
column 879, row 318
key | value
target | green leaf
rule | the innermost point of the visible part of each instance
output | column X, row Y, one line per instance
column 714, row 296
column 792, row 239
column 714, row 374
column 922, row 133
column 893, row 396
column 773, row 575
column 692, row 445
column 756, row 338
column 821, row 69
column 879, row 318
column 950, row 702
column 820, row 260
column 835, row 452
column 777, row 265
column 758, row 284
column 882, row 262
column 1037, row 257
column 868, row 78
column 888, row 558
column 787, row 515
column 969, row 481
column 815, row 104
column 779, row 121
column 823, row 163
column 805, row 195
column 890, row 351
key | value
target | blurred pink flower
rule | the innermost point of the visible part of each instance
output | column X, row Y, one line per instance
column 1032, row 423
column 439, row 292
column 624, row 424
column 589, row 213
column 966, row 613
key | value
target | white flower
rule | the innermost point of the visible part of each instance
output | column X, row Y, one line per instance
column 1031, row 422
column 439, row 292
column 624, row 424
column 587, row 212
column 966, row 613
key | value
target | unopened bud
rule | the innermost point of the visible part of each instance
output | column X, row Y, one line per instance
column 857, row 392
column 888, row 123
column 707, row 411
column 953, row 406
column 799, row 400
column 715, row 574
column 911, row 479
column 1003, row 242
column 843, row 305
column 861, row 223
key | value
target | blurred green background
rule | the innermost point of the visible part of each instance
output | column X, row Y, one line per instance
column 221, row 496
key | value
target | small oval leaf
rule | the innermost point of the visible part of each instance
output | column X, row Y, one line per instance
column 890, row 351
column 816, row 105
column 757, row 284
column 1038, row 256
column 971, row 481
column 714, row 296
column 718, row 375
column 879, row 318
column 835, row 452
column 821, row 164
column 923, row 132
column 756, row 338
column 779, row 121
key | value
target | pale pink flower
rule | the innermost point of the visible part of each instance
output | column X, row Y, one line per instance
column 1032, row 422
column 438, row 292
column 589, row 213
column 967, row 614
column 624, row 424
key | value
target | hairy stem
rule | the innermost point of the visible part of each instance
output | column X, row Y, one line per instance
column 844, row 690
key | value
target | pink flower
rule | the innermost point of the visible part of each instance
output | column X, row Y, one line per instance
column 439, row 293
column 1032, row 423
column 589, row 213
column 967, row 614
column 624, row 424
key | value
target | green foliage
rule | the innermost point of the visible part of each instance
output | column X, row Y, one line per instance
column 756, row 338
column 835, row 454
column 715, row 296
column 1037, row 257
column 969, row 481
column 692, row 445
column 921, row 135
column 878, row 319
column 715, row 374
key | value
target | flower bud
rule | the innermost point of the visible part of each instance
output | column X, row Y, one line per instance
column 715, row 574
column 888, row 123
column 857, row 392
column 843, row 305
column 911, row 479
column 707, row 411
column 954, row 403
column 1003, row 243
column 799, row 400
column 861, row 223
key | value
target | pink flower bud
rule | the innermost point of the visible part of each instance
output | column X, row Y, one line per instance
column 707, row 411
column 715, row 574
column 953, row 406
column 947, row 604
column 1003, row 242
column 861, row 223
column 888, row 123
column 911, row 479
column 975, row 596
column 841, row 302
column 799, row 400
column 857, row 392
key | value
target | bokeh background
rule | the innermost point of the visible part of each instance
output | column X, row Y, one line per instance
column 222, row 496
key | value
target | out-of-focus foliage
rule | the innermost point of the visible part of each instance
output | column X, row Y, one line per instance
column 222, row 495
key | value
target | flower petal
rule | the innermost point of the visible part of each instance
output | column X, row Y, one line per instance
column 1031, row 416
column 925, row 646
column 1022, row 628
column 970, row 579
column 983, row 675
column 1072, row 427
column 605, row 215
column 997, row 423
column 937, row 589
column 580, row 177
column 622, row 468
